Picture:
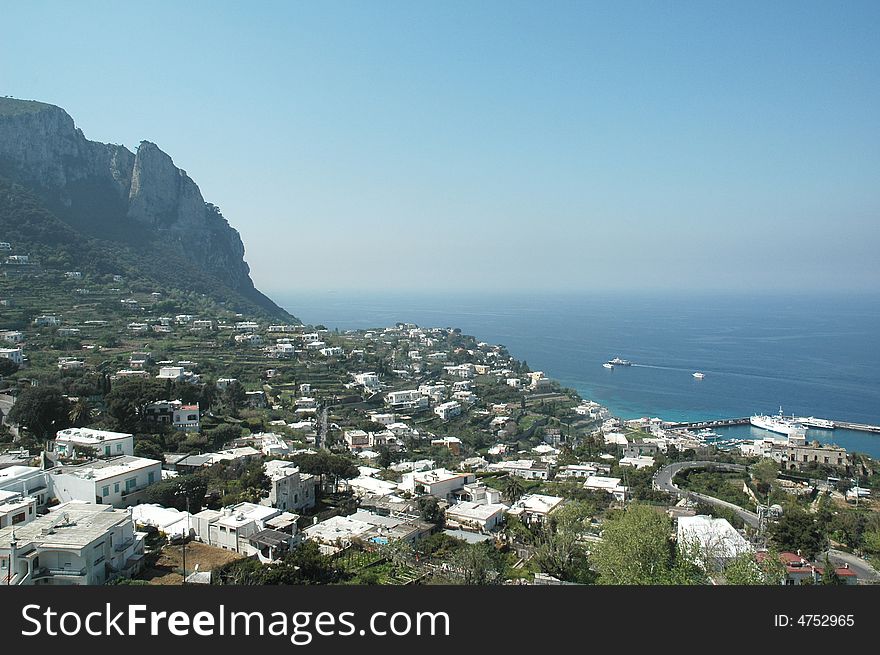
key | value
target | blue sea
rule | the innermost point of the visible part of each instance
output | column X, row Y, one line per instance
column 814, row 355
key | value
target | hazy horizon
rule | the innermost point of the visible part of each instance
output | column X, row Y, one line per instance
column 497, row 147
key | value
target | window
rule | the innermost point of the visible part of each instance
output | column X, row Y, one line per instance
column 130, row 484
column 18, row 518
column 105, row 491
column 116, row 487
column 151, row 477
column 106, row 450
column 119, row 448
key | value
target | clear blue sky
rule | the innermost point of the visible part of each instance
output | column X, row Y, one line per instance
column 494, row 145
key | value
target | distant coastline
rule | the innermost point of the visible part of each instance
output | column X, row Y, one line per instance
column 813, row 355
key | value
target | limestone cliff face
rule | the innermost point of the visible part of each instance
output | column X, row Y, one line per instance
column 41, row 146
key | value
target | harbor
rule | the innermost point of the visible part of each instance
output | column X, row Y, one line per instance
column 727, row 422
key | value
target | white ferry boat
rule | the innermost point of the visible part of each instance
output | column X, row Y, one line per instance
column 779, row 424
column 813, row 422
column 608, row 365
column 699, row 375
column 617, row 361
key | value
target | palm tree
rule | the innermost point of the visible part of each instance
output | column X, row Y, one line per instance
column 80, row 414
column 513, row 487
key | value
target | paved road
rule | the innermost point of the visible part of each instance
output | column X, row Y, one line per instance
column 862, row 568
column 663, row 482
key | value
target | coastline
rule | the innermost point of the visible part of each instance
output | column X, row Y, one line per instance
column 344, row 312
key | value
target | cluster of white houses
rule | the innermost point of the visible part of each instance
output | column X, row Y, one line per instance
column 77, row 522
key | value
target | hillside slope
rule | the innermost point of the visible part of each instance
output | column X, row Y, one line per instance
column 131, row 211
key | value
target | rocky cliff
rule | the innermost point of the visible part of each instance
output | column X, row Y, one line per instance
column 107, row 189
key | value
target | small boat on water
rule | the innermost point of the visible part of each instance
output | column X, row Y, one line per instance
column 608, row 365
column 699, row 375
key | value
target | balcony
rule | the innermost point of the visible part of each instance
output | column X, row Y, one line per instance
column 45, row 572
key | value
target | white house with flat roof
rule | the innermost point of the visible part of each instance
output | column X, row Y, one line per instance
column 536, row 508
column 118, row 481
column 16, row 509
column 609, row 485
column 167, row 520
column 25, row 480
column 440, row 483
column 230, row 527
column 14, row 355
column 12, row 336
column 713, row 542
column 481, row 517
column 448, row 410
column 291, row 490
column 76, row 544
column 103, row 442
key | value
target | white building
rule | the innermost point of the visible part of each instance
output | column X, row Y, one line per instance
column 536, row 508
column 170, row 373
column 440, row 483
column 103, row 442
column 609, row 485
column 231, row 527
column 118, row 481
column 16, row 509
column 528, row 469
column 448, row 410
column 475, row 516
column 408, row 399
column 714, row 542
column 12, row 336
column 47, row 320
column 77, row 544
column 291, row 490
column 167, row 520
column 369, row 381
column 14, row 354
column 639, row 462
column 26, row 481
column 576, row 471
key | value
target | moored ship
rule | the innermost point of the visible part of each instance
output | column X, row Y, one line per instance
column 781, row 425
column 813, row 422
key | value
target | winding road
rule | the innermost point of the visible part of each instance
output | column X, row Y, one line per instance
column 663, row 481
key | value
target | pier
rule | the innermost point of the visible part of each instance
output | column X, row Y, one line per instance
column 711, row 423
column 720, row 423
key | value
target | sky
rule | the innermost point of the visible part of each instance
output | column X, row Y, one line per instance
column 494, row 146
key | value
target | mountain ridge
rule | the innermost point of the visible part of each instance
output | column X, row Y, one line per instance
column 108, row 192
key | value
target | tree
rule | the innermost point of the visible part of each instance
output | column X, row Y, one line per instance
column 562, row 555
column 80, row 414
column 477, row 564
column 386, row 459
column 513, row 487
column 177, row 492
column 829, row 575
column 765, row 473
column 223, row 434
column 798, row 531
column 42, row 410
column 127, row 401
column 747, row 569
column 637, row 549
column 7, row 367
column 430, row 510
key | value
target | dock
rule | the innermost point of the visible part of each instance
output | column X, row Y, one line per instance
column 720, row 423
column 712, row 423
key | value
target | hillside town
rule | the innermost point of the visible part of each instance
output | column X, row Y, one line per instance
column 150, row 437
